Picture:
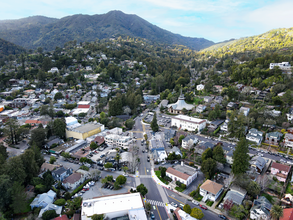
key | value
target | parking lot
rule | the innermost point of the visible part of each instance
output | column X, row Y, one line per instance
column 162, row 120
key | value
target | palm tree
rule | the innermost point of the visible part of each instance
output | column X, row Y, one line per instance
column 276, row 212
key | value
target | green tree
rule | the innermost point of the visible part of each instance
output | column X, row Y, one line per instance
column 148, row 206
column 60, row 202
column 5, row 191
column 208, row 153
column 58, row 95
column 187, row 208
column 30, row 165
column 125, row 169
column 96, row 216
column 11, row 130
column 18, row 198
column 52, row 159
column 129, row 123
column 38, row 136
column 121, row 179
column 163, row 171
column 196, row 213
column 145, row 137
column 108, row 165
column 209, row 167
column 93, row 145
column 240, row 157
column 59, row 127
column 15, row 169
column 48, row 215
column 142, row 189
column 276, row 212
column 181, row 138
column 154, row 124
column 47, row 64
column 3, row 154
column 218, row 154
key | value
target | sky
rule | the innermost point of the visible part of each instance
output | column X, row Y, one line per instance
column 215, row 20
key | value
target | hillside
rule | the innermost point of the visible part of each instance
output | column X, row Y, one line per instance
column 48, row 33
column 278, row 40
column 7, row 48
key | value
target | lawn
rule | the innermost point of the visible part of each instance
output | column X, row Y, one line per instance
column 196, row 100
column 158, row 174
column 209, row 203
column 289, row 189
column 276, row 186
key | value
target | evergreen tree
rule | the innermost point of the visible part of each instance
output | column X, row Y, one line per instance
column 240, row 157
column 154, row 124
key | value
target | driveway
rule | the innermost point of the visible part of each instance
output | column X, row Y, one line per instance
column 193, row 186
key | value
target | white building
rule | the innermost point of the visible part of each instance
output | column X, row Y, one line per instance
column 182, row 173
column 200, row 87
column 224, row 126
column 210, row 190
column 200, row 108
column 189, row 141
column 53, row 70
column 115, row 206
column 118, row 140
column 282, row 66
column 244, row 110
column 189, row 123
column 255, row 136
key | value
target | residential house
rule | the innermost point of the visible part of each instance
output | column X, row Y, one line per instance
column 73, row 181
column 200, row 87
column 61, row 173
column 260, row 209
column 258, row 164
column 229, row 156
column 244, row 110
column 164, row 103
column 45, row 202
column 150, row 98
column 168, row 134
column 218, row 88
column 219, row 99
column 215, row 124
column 273, row 137
column 290, row 114
column 159, row 154
column 232, row 105
column 239, row 87
column 99, row 140
column 202, row 146
column 200, row 108
column 182, row 173
column 236, row 194
column 189, row 141
column 53, row 70
column 281, row 171
column 288, row 140
column 55, row 141
column 210, row 190
column 224, row 126
column 61, row 217
column 207, row 99
column 282, row 66
column 255, row 136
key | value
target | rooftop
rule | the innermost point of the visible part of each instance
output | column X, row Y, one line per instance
column 281, row 167
column 185, row 169
column 189, row 119
column 211, row 186
column 73, row 178
column 87, row 127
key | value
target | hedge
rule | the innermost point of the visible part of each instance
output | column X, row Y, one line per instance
column 80, row 187
column 222, row 197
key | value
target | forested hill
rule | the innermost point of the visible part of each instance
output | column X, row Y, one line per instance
column 277, row 40
column 50, row 33
column 7, row 48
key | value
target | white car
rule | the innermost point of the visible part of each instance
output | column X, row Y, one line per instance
column 283, row 161
column 174, row 204
column 195, row 202
column 125, row 174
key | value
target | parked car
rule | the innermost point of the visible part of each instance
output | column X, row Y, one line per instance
column 223, row 217
column 152, row 215
column 203, row 207
column 195, row 202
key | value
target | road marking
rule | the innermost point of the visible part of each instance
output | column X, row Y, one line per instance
column 159, row 213
column 177, row 200
column 157, row 203
column 145, row 171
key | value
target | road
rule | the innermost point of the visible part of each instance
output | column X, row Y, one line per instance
column 157, row 195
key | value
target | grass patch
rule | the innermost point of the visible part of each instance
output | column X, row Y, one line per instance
column 269, row 197
column 209, row 203
column 179, row 189
column 158, row 174
column 199, row 198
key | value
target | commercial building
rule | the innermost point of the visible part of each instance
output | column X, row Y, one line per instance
column 182, row 173
column 118, row 140
column 83, row 131
column 115, row 207
column 189, row 123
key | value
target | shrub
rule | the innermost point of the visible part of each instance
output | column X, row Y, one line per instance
column 192, row 194
column 275, row 179
column 183, row 186
column 83, row 167
column 178, row 183
column 191, row 164
column 80, row 187
column 60, row 202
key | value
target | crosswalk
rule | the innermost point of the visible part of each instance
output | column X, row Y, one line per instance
column 145, row 176
column 157, row 203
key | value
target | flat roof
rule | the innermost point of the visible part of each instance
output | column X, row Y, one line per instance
column 111, row 204
column 87, row 127
column 185, row 169
column 189, row 119
column 84, row 103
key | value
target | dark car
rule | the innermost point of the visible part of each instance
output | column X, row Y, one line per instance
column 203, row 207
column 223, row 217
column 152, row 215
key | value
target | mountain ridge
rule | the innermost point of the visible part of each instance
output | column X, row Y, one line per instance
column 49, row 32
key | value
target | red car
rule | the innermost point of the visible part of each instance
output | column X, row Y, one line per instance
column 203, row 207
column 85, row 189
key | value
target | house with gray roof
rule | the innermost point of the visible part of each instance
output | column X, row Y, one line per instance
column 258, row 164
column 236, row 194
column 189, row 141
column 229, row 156
column 255, row 135
column 201, row 147
column 260, row 209
column 273, row 137
column 61, row 173
column 168, row 134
